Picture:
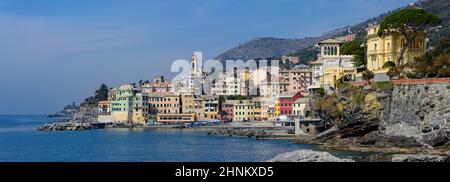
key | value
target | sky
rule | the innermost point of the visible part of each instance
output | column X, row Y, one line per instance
column 54, row 52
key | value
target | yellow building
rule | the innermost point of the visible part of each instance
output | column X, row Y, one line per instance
column 256, row 110
column 211, row 105
column 381, row 49
column 267, row 108
column 164, row 103
column 242, row 111
column 277, row 108
column 334, row 65
column 199, row 108
column 187, row 103
column 140, row 106
column 129, row 105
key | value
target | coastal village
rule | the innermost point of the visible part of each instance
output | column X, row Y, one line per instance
column 382, row 98
column 161, row 101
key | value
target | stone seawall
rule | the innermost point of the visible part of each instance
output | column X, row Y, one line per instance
column 416, row 108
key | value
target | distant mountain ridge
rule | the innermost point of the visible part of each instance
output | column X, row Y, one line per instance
column 269, row 46
column 274, row 47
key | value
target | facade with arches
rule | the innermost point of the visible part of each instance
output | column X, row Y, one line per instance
column 334, row 65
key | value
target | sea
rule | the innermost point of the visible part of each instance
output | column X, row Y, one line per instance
column 19, row 142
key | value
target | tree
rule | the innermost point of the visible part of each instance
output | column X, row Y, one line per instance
column 102, row 93
column 356, row 48
column 409, row 22
column 368, row 75
column 436, row 62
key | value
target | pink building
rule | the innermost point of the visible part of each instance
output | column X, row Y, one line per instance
column 298, row 80
column 228, row 109
column 346, row 38
column 291, row 59
column 159, row 85
column 287, row 102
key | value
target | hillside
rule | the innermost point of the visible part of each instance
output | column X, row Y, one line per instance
column 270, row 47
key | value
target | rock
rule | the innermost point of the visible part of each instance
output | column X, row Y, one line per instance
column 240, row 132
column 358, row 125
column 302, row 139
column 369, row 139
column 326, row 135
column 307, row 156
column 435, row 138
column 397, row 141
column 414, row 109
column 419, row 158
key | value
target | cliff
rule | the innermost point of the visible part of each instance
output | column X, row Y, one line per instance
column 404, row 118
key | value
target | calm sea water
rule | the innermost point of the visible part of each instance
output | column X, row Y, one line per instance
column 18, row 142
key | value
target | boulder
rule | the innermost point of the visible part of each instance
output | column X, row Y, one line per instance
column 419, row 158
column 307, row 156
column 435, row 138
column 397, row 141
column 326, row 135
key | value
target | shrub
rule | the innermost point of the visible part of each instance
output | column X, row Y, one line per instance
column 343, row 85
column 393, row 72
column 389, row 64
column 413, row 75
column 330, row 106
column 320, row 92
column 386, row 85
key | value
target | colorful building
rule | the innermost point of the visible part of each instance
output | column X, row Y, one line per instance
column 300, row 107
column 229, row 84
column 128, row 105
column 286, row 103
column 298, row 80
column 242, row 110
column 335, row 66
column 255, row 110
column 199, row 108
column 140, row 106
column 164, row 103
column 290, row 59
column 316, row 74
column 104, row 112
column 187, row 103
column 228, row 109
column 211, row 106
column 159, row 85
column 346, row 38
column 381, row 49
column 277, row 108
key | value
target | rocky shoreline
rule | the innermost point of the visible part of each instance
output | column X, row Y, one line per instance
column 307, row 156
column 261, row 133
column 71, row 126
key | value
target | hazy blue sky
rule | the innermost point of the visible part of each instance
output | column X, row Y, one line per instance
column 53, row 52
